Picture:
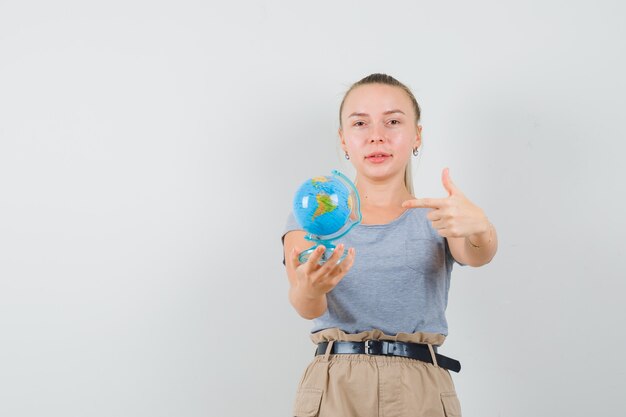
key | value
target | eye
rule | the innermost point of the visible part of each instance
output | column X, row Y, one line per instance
column 394, row 122
column 359, row 123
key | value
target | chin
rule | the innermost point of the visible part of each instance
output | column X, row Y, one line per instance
column 380, row 174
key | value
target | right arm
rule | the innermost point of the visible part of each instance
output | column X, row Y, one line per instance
column 309, row 282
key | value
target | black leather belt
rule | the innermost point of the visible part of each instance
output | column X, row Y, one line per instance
column 389, row 348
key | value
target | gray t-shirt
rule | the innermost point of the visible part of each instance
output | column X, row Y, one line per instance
column 399, row 281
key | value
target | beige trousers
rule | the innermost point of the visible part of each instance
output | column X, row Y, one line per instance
column 356, row 385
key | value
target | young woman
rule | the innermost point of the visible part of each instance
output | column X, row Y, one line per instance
column 379, row 315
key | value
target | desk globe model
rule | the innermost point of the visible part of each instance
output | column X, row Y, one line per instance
column 327, row 208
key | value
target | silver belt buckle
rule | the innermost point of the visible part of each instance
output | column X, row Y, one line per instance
column 368, row 348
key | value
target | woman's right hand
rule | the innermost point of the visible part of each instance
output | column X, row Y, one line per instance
column 314, row 280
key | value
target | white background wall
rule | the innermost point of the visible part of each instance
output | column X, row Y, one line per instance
column 149, row 152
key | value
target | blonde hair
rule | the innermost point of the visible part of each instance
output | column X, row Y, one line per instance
column 385, row 79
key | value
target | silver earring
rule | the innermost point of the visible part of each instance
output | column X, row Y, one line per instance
column 415, row 151
column 347, row 156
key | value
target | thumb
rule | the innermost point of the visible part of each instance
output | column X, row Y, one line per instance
column 295, row 252
column 450, row 187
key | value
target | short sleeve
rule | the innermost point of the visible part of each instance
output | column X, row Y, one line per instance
column 449, row 256
column 290, row 224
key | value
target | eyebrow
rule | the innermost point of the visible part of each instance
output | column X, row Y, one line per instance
column 355, row 114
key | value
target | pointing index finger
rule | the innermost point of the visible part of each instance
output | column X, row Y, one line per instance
column 424, row 203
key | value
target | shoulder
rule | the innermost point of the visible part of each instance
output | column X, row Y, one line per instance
column 292, row 236
column 291, row 224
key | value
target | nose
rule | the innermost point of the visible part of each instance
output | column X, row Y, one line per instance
column 377, row 135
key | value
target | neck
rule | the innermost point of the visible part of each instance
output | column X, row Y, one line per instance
column 387, row 193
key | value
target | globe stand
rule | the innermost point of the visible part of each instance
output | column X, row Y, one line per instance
column 354, row 218
column 330, row 249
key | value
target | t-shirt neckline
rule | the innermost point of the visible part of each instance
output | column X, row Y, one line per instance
column 396, row 220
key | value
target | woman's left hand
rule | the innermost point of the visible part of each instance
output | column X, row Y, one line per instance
column 452, row 216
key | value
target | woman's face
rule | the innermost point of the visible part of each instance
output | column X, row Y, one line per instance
column 379, row 130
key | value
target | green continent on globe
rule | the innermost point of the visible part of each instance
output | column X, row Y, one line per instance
column 324, row 205
column 316, row 180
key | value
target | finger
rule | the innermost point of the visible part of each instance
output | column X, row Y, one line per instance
column 434, row 215
column 448, row 232
column 342, row 269
column 334, row 263
column 351, row 256
column 425, row 203
column 438, row 224
column 347, row 263
column 293, row 258
column 448, row 184
column 331, row 262
column 313, row 262
column 336, row 256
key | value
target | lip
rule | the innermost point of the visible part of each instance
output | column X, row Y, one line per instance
column 378, row 153
column 377, row 157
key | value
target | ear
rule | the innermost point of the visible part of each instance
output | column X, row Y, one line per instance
column 343, row 141
column 418, row 137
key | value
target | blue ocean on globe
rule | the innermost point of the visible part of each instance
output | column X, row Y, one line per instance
column 322, row 205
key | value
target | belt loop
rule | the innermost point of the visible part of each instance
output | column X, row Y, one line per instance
column 432, row 354
column 329, row 349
